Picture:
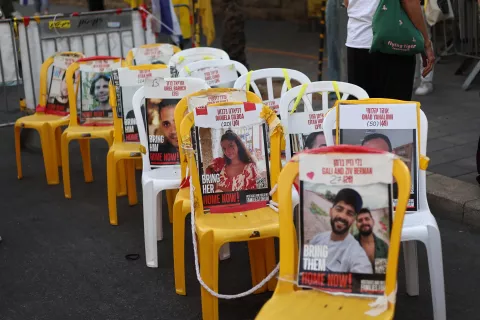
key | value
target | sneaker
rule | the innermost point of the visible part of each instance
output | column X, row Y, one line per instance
column 424, row 89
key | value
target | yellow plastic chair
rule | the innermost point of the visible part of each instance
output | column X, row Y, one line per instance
column 120, row 150
column 215, row 230
column 181, row 206
column 131, row 53
column 84, row 133
column 289, row 303
column 48, row 124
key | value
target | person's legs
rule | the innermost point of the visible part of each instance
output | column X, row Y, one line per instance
column 333, row 54
column 360, row 70
column 394, row 75
column 38, row 7
column 426, row 84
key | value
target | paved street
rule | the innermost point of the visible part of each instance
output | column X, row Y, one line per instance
column 61, row 259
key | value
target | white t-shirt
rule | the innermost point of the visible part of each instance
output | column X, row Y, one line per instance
column 359, row 28
column 344, row 256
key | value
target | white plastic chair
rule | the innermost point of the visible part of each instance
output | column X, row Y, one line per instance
column 268, row 75
column 323, row 87
column 417, row 226
column 186, row 56
column 198, row 65
column 155, row 180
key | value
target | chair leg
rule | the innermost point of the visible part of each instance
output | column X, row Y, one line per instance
column 51, row 169
column 411, row 267
column 58, row 137
column 179, row 248
column 149, row 223
column 270, row 262
column 138, row 164
column 18, row 155
column 170, row 195
column 208, row 259
column 86, row 159
column 111, row 188
column 256, row 250
column 435, row 266
column 66, row 166
column 131, row 182
column 121, row 179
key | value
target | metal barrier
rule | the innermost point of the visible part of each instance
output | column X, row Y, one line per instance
column 11, row 89
column 109, row 33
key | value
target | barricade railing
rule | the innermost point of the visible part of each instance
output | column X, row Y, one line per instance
column 465, row 38
column 109, row 33
column 11, row 85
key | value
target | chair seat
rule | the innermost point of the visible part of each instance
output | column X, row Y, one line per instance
column 38, row 119
column 314, row 305
column 415, row 225
column 126, row 150
column 258, row 223
column 79, row 132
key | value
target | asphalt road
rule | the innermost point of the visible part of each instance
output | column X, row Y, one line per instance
column 60, row 259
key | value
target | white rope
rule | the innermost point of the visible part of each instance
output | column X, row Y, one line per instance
column 197, row 269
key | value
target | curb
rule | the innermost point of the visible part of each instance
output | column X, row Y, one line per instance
column 453, row 199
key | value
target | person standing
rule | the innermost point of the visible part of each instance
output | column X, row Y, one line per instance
column 382, row 75
column 39, row 5
column 333, row 54
column 96, row 5
column 426, row 83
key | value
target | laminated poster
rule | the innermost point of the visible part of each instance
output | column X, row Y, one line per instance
column 127, row 82
column 232, row 157
column 57, row 96
column 159, row 54
column 217, row 76
column 391, row 128
column 161, row 98
column 95, row 108
column 306, row 131
column 345, row 222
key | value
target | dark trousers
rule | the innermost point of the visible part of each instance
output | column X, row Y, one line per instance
column 381, row 75
column 95, row 5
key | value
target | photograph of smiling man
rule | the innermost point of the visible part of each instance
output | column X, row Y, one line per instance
column 95, row 104
column 344, row 237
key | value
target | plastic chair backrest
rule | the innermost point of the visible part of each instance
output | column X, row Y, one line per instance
column 329, row 124
column 92, row 65
column 125, row 82
column 194, row 54
column 246, row 81
column 190, row 70
column 138, row 102
column 323, row 87
column 182, row 109
column 288, row 176
column 155, row 53
column 269, row 118
column 53, row 98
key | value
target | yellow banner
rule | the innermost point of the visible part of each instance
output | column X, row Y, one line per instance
column 59, row 24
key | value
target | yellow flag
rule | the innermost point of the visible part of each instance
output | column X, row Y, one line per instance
column 208, row 24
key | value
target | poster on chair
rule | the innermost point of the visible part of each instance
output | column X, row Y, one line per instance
column 127, row 81
column 95, row 108
column 216, row 76
column 222, row 95
column 57, row 95
column 388, row 127
column 306, row 131
column 232, row 156
column 345, row 222
column 153, row 54
column 161, row 97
